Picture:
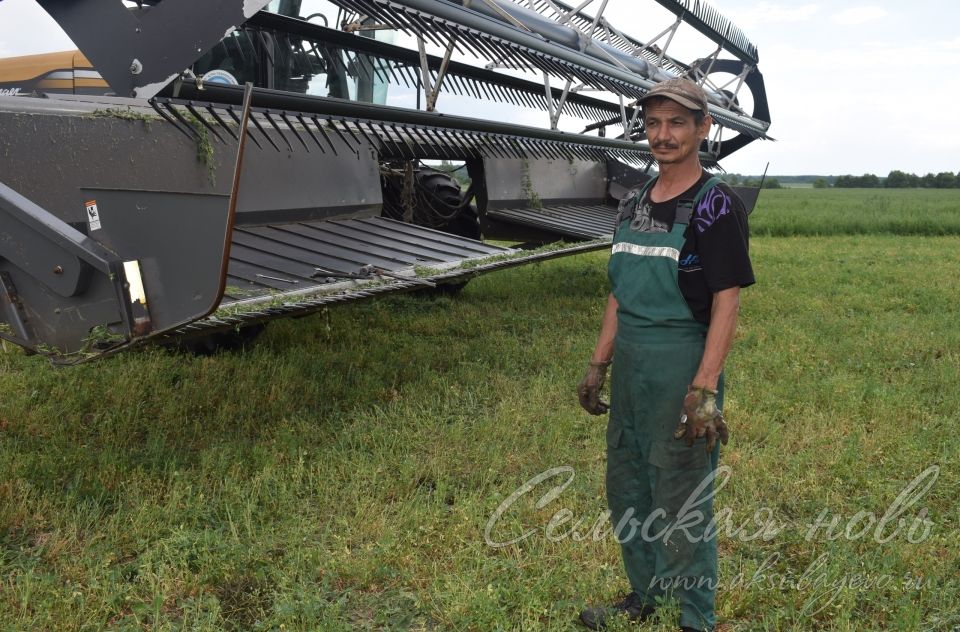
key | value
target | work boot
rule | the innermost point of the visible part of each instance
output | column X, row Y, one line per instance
column 632, row 606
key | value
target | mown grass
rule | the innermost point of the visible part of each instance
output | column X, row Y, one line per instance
column 789, row 212
column 340, row 474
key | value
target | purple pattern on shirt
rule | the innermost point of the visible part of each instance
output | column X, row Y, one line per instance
column 714, row 205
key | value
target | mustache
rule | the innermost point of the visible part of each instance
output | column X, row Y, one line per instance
column 664, row 145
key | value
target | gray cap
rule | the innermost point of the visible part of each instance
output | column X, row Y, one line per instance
column 683, row 91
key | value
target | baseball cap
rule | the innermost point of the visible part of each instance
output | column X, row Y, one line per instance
column 683, row 91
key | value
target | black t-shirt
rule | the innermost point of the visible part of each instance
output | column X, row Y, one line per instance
column 715, row 254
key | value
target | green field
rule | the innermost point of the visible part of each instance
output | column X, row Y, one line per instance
column 340, row 474
column 791, row 212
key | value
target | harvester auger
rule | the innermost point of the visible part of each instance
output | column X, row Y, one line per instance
column 239, row 165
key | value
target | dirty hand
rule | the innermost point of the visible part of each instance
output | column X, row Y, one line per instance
column 588, row 390
column 701, row 418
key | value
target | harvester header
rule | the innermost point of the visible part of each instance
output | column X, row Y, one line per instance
column 231, row 163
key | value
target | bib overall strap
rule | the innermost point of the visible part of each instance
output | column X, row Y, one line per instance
column 685, row 207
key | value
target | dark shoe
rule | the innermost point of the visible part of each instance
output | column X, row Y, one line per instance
column 632, row 606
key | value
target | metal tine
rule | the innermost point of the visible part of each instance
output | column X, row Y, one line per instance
column 486, row 147
column 353, row 58
column 470, row 38
column 250, row 135
column 469, row 142
column 494, row 144
column 377, row 144
column 507, row 147
column 486, row 89
column 512, row 54
column 272, row 122
column 516, row 146
column 377, row 63
column 528, row 100
column 396, row 70
column 466, row 39
column 454, row 85
column 176, row 114
column 263, row 131
column 428, row 30
column 333, row 126
column 473, row 87
column 533, row 100
column 586, row 153
column 366, row 63
column 405, row 23
column 310, row 131
column 438, row 141
column 446, row 144
column 559, row 151
column 388, row 138
column 414, row 25
column 457, row 142
column 203, row 121
column 286, row 119
column 409, row 137
column 453, row 34
column 213, row 112
column 409, row 76
column 504, row 147
column 337, row 60
column 483, row 44
column 476, row 146
column 528, row 146
column 391, row 71
column 425, row 143
column 464, row 143
column 544, row 149
column 401, row 133
column 346, row 126
column 189, row 133
column 323, row 133
column 499, row 92
column 384, row 140
column 373, row 10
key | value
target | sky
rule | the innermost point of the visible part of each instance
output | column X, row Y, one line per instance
column 838, row 76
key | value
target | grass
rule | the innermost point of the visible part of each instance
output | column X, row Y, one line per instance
column 340, row 474
column 791, row 212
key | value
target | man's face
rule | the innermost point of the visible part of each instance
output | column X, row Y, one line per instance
column 673, row 132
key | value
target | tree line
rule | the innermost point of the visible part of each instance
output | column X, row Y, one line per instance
column 901, row 180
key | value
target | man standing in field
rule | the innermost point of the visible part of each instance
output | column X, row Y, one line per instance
column 678, row 262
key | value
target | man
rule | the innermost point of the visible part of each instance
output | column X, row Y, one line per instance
column 678, row 262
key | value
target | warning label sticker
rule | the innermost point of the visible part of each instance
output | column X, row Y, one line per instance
column 93, row 215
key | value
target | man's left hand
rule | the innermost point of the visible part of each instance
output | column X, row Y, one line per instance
column 702, row 418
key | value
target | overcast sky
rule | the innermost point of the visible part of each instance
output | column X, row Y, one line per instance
column 854, row 87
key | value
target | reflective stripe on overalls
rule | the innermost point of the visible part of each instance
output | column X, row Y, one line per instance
column 657, row 352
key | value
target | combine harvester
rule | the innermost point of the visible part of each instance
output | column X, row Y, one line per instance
column 218, row 164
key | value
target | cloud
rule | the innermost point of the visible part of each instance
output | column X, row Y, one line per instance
column 770, row 13
column 858, row 15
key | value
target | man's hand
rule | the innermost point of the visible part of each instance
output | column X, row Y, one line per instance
column 701, row 418
column 588, row 390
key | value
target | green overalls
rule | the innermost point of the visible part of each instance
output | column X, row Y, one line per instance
column 657, row 352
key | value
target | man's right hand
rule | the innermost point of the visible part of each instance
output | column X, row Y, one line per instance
column 588, row 390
